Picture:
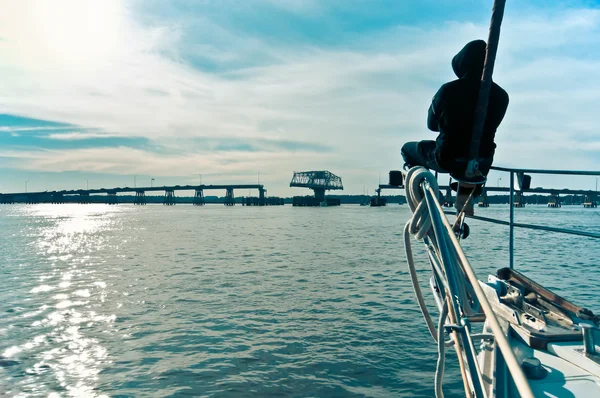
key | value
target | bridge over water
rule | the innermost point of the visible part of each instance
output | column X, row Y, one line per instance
column 83, row 195
column 590, row 196
column 517, row 197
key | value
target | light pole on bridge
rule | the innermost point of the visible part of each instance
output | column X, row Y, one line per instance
column 135, row 181
column 151, row 181
column 26, row 186
column 499, row 182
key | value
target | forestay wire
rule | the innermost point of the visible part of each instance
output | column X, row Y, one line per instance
column 472, row 170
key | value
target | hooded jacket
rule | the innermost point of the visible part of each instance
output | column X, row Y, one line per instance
column 452, row 110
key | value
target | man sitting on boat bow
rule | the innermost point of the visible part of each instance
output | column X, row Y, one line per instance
column 452, row 113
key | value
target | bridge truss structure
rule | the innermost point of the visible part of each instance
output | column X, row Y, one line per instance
column 318, row 181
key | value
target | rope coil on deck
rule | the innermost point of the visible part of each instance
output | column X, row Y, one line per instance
column 420, row 223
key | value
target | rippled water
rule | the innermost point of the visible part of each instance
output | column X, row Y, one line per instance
column 212, row 301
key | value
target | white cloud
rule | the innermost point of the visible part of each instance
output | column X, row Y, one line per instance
column 11, row 129
column 236, row 167
column 123, row 78
column 76, row 135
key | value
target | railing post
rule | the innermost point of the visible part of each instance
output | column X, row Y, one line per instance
column 511, row 233
column 450, row 265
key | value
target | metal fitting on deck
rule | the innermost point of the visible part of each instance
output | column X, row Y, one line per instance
column 587, row 329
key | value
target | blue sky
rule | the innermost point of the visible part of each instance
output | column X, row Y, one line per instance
column 105, row 90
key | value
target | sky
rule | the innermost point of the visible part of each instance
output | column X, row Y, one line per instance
column 105, row 93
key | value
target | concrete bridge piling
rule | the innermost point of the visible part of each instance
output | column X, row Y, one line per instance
column 84, row 198
column 111, row 198
column 229, row 198
column 519, row 199
column 483, row 200
column 140, row 197
column 590, row 201
column 554, row 201
column 169, row 199
column 199, row 198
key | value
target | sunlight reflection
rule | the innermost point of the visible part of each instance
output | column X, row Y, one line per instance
column 41, row 288
column 72, row 227
column 63, row 345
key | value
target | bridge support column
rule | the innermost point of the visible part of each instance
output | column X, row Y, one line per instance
column 32, row 199
column 554, row 201
column 199, row 198
column 229, row 198
column 261, row 196
column 84, row 198
column 169, row 198
column 7, row 199
column 519, row 199
column 483, row 201
column 590, row 201
column 448, row 201
column 57, row 198
column 378, row 201
column 111, row 198
column 319, row 194
column 140, row 198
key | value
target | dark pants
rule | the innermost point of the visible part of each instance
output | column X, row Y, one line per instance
column 421, row 153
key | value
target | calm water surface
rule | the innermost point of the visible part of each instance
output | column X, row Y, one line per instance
column 211, row 301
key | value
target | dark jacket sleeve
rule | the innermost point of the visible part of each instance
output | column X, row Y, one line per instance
column 435, row 111
column 502, row 100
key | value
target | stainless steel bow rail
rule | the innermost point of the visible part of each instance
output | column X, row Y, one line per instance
column 522, row 176
column 451, row 268
column 457, row 291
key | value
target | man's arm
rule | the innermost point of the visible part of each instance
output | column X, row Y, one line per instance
column 503, row 104
column 435, row 110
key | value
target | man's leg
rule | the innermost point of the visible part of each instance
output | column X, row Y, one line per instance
column 463, row 201
column 411, row 154
column 427, row 150
column 485, row 164
column 421, row 153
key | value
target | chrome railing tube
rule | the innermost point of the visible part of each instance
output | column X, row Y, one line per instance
column 511, row 232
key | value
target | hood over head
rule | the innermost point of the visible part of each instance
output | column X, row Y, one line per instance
column 468, row 63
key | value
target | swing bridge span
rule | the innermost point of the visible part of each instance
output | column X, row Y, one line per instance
column 111, row 194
